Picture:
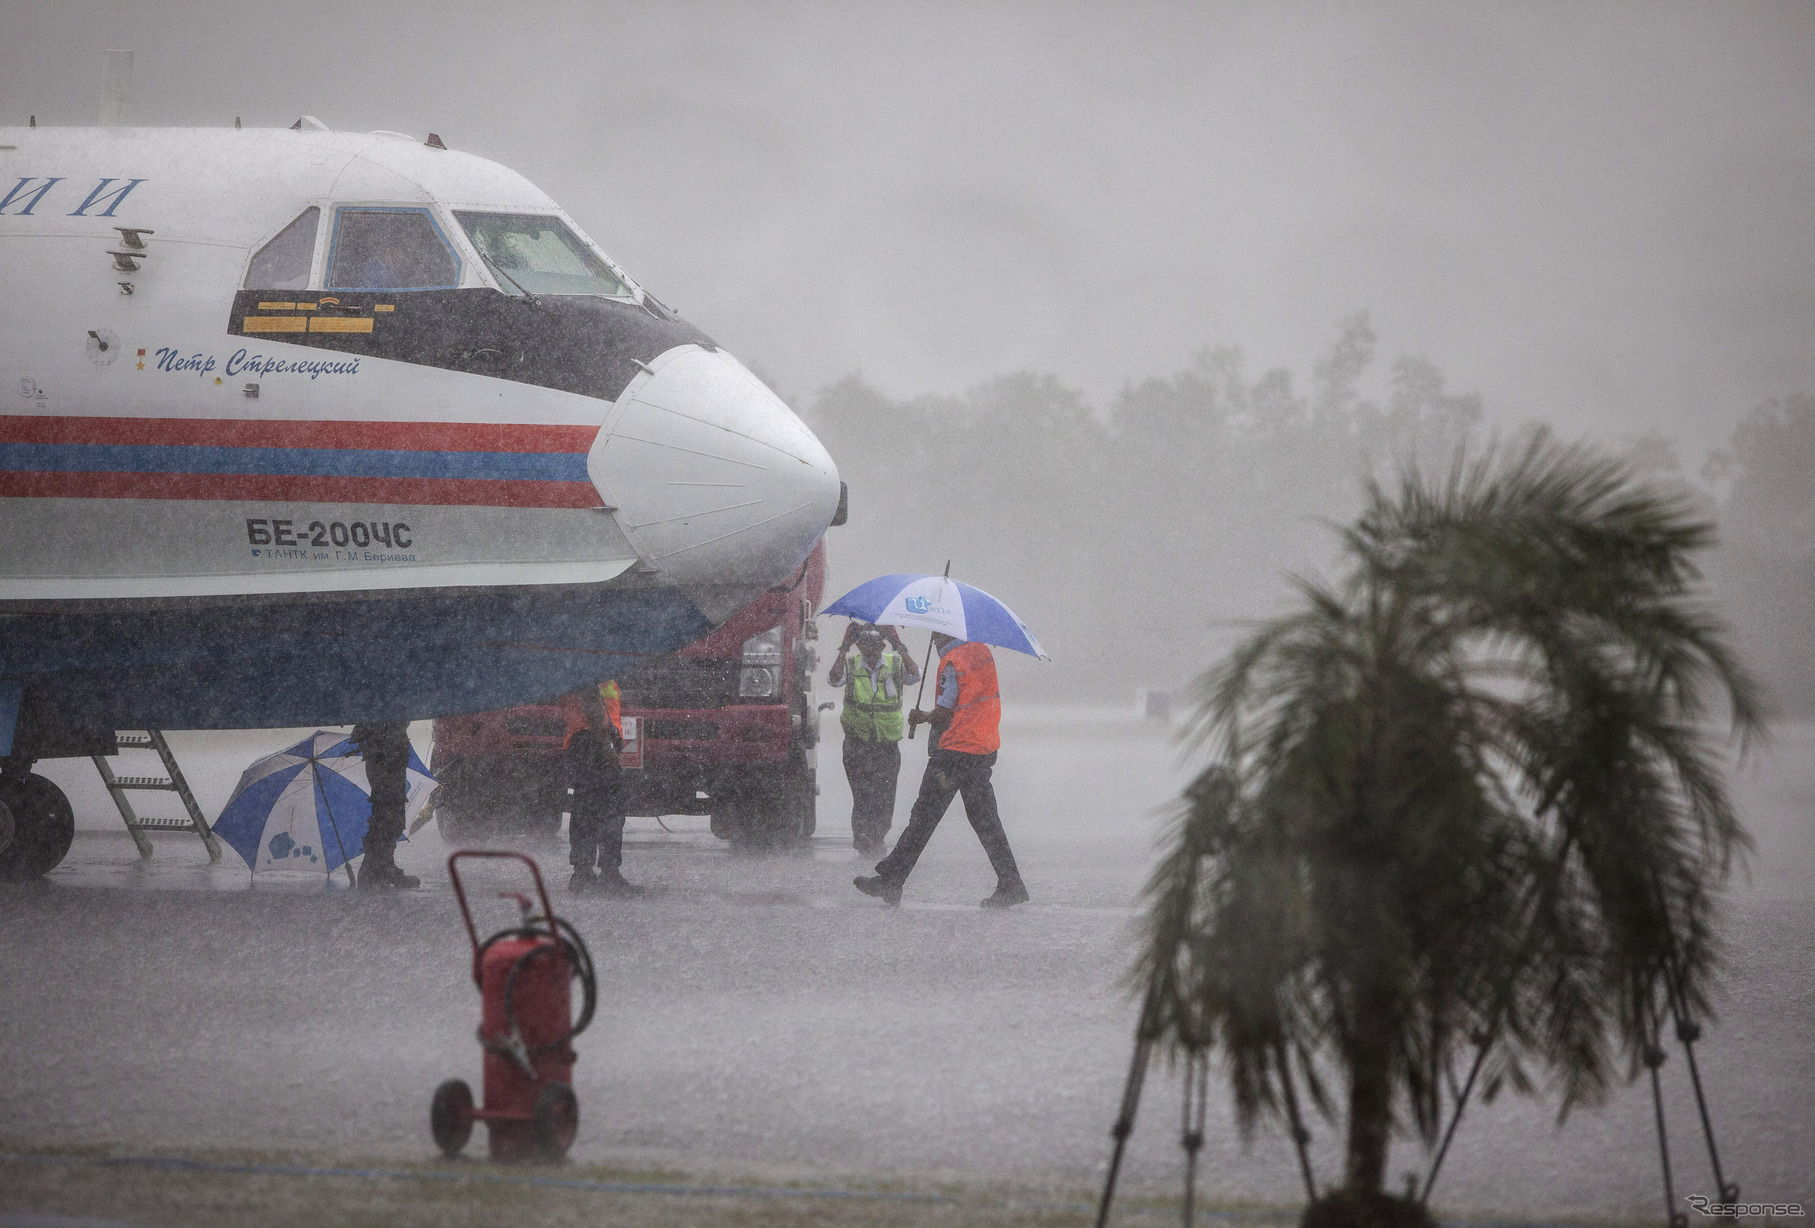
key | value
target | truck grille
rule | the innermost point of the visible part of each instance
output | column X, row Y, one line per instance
column 680, row 731
column 677, row 682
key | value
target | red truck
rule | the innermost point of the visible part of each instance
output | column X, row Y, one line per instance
column 729, row 727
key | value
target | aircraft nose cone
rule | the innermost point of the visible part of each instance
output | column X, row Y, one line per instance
column 719, row 487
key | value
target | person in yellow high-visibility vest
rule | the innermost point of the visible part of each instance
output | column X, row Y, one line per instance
column 875, row 671
column 595, row 830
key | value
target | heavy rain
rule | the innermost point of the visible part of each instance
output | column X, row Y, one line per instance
column 1368, row 451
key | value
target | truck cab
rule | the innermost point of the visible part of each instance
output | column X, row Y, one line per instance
column 727, row 726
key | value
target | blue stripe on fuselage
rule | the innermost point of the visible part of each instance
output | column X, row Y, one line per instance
column 305, row 462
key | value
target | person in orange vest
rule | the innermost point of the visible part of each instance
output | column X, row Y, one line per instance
column 966, row 720
column 595, row 832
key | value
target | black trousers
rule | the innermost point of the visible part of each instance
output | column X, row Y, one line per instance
column 949, row 773
column 872, row 768
column 385, row 747
column 595, row 829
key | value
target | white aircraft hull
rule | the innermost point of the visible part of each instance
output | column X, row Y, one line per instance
column 226, row 505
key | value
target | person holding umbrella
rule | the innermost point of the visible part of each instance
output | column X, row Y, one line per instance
column 965, row 718
column 874, row 670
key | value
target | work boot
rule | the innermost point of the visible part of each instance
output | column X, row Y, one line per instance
column 613, row 883
column 386, row 876
column 1007, row 895
column 583, row 880
column 885, row 889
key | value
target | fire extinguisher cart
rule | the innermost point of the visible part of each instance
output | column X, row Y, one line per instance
column 525, row 976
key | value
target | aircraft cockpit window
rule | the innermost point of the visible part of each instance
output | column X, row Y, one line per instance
column 285, row 262
column 533, row 254
column 390, row 249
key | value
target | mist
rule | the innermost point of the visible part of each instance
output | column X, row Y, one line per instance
column 1593, row 218
column 1116, row 309
column 1595, row 215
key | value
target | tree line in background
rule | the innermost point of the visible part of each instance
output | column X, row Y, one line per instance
column 1140, row 542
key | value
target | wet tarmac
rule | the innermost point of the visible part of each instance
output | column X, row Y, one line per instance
column 761, row 1019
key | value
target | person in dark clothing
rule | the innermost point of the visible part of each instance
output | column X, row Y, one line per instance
column 385, row 747
column 966, row 723
column 595, row 830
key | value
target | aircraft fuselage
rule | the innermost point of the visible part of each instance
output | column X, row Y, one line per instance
column 302, row 427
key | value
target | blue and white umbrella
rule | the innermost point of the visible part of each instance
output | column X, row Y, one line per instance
column 307, row 808
column 938, row 603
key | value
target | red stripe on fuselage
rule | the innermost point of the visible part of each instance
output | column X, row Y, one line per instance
column 260, row 433
column 261, row 488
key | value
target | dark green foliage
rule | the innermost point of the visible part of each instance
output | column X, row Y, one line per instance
column 1131, row 540
column 1468, row 801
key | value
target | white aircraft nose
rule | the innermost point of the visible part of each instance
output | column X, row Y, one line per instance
column 719, row 487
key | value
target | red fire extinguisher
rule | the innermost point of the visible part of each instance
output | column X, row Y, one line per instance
column 525, row 976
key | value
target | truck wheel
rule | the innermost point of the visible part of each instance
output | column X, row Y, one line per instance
column 451, row 799
column 453, row 822
column 44, row 827
column 556, row 1118
column 747, row 816
column 479, row 804
column 771, row 812
column 539, row 814
column 451, row 1116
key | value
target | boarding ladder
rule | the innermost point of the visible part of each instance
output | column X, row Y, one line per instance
column 171, row 782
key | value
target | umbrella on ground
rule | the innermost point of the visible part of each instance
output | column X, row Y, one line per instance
column 938, row 603
column 307, row 807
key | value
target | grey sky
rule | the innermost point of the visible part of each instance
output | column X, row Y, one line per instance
column 1604, row 215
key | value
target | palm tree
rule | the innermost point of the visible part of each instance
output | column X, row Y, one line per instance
column 1465, row 811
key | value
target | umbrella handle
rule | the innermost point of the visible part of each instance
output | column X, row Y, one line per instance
column 921, row 693
column 345, row 863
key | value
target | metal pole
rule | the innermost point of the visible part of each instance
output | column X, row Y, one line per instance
column 1124, row 1123
column 1192, row 1126
column 1688, row 1032
column 1654, row 1058
column 1468, row 1086
column 1300, row 1135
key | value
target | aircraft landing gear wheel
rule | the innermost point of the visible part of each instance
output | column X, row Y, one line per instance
column 556, row 1119
column 451, row 1116
column 43, row 824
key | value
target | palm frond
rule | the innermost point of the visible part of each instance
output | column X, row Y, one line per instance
column 1470, row 794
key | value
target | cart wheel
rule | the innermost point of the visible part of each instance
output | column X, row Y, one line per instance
column 557, row 1120
column 451, row 1116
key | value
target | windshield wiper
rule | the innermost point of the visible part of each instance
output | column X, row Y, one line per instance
column 507, row 277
